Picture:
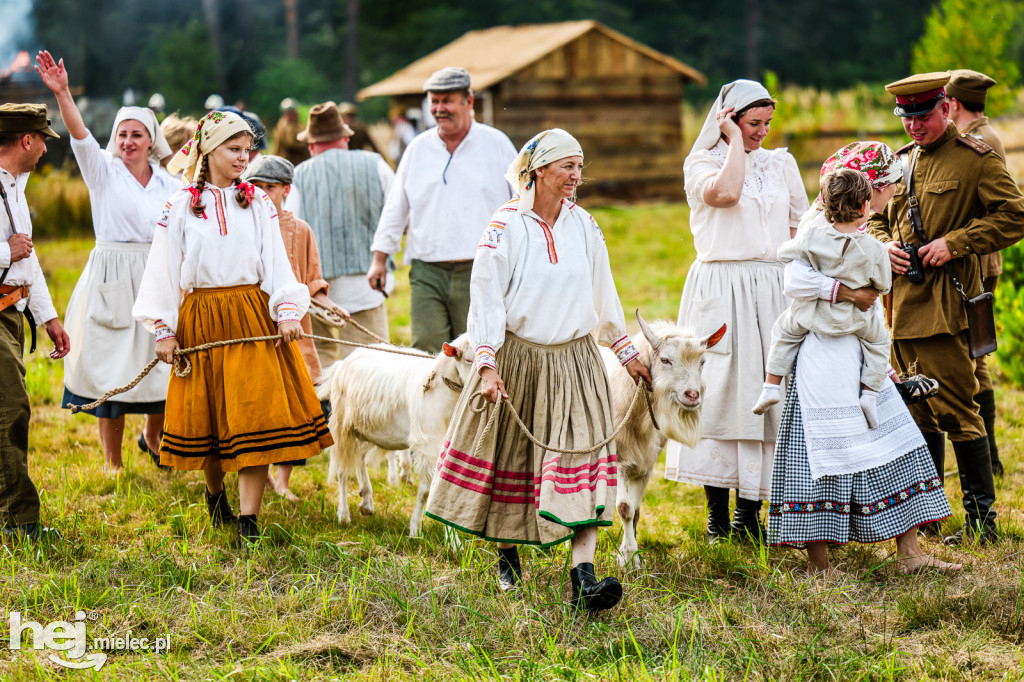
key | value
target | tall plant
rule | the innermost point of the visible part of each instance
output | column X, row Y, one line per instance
column 973, row 34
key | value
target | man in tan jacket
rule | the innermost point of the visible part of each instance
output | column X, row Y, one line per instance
column 967, row 91
column 969, row 206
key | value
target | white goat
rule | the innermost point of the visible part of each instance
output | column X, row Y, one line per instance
column 674, row 357
column 391, row 402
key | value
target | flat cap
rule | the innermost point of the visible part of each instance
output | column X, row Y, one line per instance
column 969, row 86
column 917, row 95
column 447, row 79
column 271, row 169
column 25, row 118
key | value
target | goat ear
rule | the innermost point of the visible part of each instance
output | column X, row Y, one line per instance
column 451, row 351
column 715, row 337
column 652, row 338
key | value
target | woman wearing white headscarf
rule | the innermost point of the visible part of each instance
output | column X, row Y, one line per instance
column 744, row 202
column 127, row 189
column 541, row 284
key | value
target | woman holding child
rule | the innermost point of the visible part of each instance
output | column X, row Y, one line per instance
column 835, row 478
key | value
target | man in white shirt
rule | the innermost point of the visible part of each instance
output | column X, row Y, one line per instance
column 340, row 193
column 23, row 132
column 450, row 182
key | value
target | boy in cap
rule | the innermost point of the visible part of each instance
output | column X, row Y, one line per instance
column 273, row 175
column 967, row 91
column 449, row 183
column 969, row 205
column 23, row 132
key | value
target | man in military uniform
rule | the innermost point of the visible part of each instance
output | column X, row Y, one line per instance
column 23, row 132
column 969, row 205
column 967, row 91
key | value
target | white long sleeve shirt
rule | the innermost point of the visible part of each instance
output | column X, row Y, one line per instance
column 122, row 209
column 26, row 271
column 231, row 246
column 547, row 284
column 445, row 199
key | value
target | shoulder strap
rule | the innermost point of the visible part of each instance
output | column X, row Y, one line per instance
column 14, row 228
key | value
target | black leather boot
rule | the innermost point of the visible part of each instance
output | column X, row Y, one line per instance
column 746, row 521
column 937, row 447
column 718, row 513
column 979, row 490
column 248, row 533
column 510, row 573
column 591, row 595
column 220, row 510
column 987, row 401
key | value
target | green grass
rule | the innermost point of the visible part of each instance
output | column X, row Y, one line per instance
column 318, row 601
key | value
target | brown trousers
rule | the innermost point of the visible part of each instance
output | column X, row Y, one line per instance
column 947, row 359
column 19, row 501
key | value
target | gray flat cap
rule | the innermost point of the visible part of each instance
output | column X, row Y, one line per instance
column 447, row 79
column 269, row 168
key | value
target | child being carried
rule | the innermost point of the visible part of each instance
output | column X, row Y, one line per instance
column 842, row 250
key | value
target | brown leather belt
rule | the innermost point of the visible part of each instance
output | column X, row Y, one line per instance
column 11, row 294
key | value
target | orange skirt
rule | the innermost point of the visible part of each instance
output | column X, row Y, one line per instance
column 246, row 404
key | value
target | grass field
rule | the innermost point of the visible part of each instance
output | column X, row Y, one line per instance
column 317, row 601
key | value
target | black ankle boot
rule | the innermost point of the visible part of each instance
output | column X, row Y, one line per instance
column 248, row 533
column 220, row 510
column 144, row 446
column 987, row 401
column 979, row 490
column 746, row 521
column 591, row 595
column 510, row 573
column 718, row 513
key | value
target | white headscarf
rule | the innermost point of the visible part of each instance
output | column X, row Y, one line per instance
column 213, row 130
column 737, row 95
column 146, row 117
column 545, row 147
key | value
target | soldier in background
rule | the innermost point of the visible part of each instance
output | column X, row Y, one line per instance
column 286, row 134
column 967, row 91
column 360, row 136
column 969, row 205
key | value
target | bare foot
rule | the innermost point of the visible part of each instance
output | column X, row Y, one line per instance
column 112, row 471
column 825, row 572
column 923, row 562
column 289, row 495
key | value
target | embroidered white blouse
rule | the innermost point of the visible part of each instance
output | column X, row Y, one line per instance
column 445, row 198
column 122, row 209
column 25, row 271
column 772, row 201
column 230, row 246
column 547, row 284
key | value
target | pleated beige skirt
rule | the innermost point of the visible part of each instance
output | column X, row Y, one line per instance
column 497, row 484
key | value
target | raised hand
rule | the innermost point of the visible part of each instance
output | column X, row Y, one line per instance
column 54, row 75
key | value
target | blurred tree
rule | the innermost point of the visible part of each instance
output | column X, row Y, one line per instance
column 973, row 34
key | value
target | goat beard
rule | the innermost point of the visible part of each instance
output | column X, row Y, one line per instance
column 677, row 422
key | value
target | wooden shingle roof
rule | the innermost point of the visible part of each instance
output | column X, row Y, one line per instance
column 492, row 55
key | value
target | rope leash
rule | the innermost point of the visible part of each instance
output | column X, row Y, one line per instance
column 183, row 366
column 544, row 446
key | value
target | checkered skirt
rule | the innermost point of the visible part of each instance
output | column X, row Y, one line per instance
column 868, row 506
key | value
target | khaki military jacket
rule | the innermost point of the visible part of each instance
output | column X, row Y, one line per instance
column 967, row 196
column 991, row 263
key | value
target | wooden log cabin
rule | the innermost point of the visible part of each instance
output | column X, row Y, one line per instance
column 621, row 99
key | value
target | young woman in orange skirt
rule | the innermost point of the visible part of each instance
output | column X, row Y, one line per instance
column 217, row 271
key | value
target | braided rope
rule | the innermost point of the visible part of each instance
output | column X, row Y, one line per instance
column 550, row 448
column 183, row 366
column 331, row 317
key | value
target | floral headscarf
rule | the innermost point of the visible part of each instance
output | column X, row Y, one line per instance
column 875, row 160
column 213, row 130
column 545, row 147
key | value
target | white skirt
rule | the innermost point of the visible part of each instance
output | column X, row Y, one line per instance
column 738, row 448
column 108, row 347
